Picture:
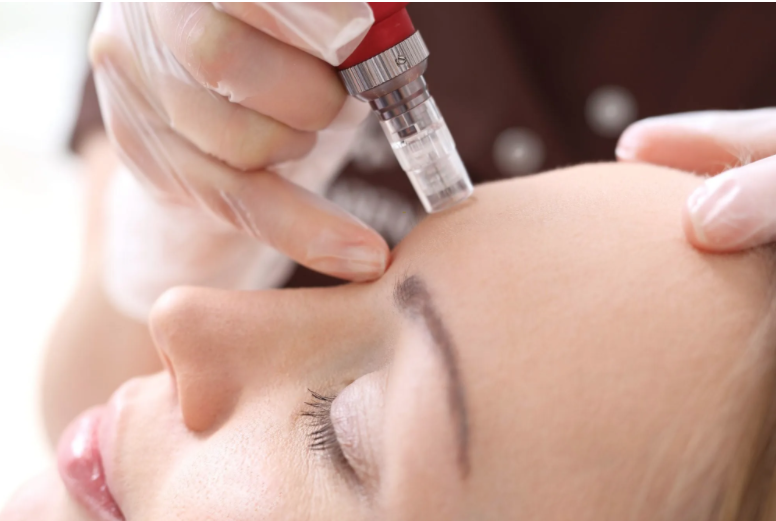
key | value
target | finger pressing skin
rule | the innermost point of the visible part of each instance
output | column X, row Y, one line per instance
column 735, row 210
column 306, row 227
column 309, row 229
column 250, row 67
column 702, row 142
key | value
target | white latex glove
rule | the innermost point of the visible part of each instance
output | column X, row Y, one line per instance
column 230, row 110
column 731, row 211
column 150, row 246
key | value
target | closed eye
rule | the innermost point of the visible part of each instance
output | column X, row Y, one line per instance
column 321, row 435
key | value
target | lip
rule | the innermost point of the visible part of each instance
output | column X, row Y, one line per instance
column 81, row 467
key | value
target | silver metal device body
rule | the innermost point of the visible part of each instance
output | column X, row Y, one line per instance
column 393, row 84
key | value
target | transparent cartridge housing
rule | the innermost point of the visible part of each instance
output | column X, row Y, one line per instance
column 426, row 152
column 393, row 84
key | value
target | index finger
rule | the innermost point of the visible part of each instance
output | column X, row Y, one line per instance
column 707, row 142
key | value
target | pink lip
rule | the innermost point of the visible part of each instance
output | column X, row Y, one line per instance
column 80, row 466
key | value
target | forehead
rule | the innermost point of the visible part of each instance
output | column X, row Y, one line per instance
column 609, row 228
column 587, row 327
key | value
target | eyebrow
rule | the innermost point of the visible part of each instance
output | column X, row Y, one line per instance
column 412, row 296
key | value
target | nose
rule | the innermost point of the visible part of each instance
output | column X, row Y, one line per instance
column 218, row 344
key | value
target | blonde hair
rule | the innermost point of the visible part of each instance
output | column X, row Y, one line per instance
column 750, row 492
column 731, row 475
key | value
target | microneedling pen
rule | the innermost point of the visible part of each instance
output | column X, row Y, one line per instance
column 387, row 71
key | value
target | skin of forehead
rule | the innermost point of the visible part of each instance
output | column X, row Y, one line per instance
column 597, row 347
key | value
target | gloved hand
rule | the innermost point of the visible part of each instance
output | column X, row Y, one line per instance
column 231, row 109
column 731, row 211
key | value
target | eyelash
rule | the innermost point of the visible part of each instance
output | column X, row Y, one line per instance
column 322, row 437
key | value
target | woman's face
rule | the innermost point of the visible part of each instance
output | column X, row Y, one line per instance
column 551, row 350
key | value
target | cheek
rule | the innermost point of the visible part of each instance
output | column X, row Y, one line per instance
column 239, row 474
column 255, row 467
column 246, row 470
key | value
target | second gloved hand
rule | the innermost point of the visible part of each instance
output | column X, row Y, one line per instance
column 232, row 109
column 736, row 208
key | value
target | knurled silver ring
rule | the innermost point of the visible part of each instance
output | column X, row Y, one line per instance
column 385, row 66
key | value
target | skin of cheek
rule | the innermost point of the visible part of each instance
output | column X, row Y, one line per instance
column 422, row 480
column 242, row 471
column 233, row 479
column 255, row 466
column 142, row 443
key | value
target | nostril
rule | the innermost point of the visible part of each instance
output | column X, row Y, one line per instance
column 171, row 324
column 170, row 369
column 187, row 328
column 207, row 400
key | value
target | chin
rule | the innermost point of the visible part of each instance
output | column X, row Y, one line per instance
column 43, row 498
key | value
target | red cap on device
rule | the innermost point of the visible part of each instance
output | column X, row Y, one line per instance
column 392, row 25
column 386, row 70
